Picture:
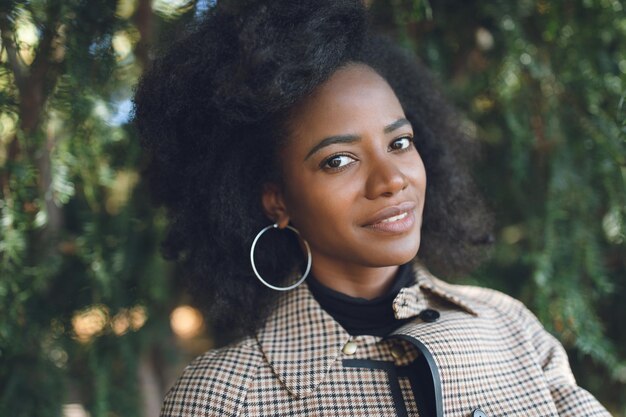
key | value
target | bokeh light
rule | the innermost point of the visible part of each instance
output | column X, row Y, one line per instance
column 186, row 322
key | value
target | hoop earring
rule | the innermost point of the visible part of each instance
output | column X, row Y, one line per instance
column 308, row 264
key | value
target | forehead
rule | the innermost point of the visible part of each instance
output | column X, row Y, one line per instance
column 354, row 99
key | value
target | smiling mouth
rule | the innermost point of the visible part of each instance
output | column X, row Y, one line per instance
column 398, row 224
column 391, row 213
column 395, row 218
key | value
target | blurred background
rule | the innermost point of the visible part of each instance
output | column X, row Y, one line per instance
column 94, row 323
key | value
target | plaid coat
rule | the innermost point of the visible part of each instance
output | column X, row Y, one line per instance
column 489, row 356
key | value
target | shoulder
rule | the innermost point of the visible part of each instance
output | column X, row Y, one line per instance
column 487, row 299
column 499, row 307
column 491, row 298
column 215, row 383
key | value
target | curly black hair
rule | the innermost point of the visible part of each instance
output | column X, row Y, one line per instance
column 213, row 110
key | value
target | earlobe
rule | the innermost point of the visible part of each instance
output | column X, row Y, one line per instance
column 274, row 204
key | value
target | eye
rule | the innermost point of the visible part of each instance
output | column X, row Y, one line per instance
column 401, row 143
column 337, row 162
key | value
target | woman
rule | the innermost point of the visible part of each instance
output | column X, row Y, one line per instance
column 295, row 150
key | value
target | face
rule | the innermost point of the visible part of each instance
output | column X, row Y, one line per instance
column 353, row 182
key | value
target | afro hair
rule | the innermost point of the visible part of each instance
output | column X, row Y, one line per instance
column 213, row 110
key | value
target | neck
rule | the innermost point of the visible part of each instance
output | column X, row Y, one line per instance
column 355, row 280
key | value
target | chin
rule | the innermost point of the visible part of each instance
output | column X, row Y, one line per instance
column 394, row 256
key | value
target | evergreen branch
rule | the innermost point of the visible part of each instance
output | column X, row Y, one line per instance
column 20, row 71
column 29, row 7
column 43, row 65
column 7, row 36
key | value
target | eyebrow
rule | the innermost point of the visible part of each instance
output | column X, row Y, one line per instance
column 331, row 140
column 396, row 125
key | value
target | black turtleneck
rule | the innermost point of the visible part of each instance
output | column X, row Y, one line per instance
column 360, row 316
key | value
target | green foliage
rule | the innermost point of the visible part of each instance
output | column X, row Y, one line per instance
column 84, row 294
column 83, row 288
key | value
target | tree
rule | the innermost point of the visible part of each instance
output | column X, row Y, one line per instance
column 81, row 274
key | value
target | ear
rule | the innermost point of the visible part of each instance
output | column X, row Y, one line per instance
column 273, row 203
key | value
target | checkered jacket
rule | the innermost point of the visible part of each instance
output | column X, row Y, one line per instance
column 489, row 356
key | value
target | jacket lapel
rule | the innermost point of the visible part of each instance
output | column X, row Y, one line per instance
column 301, row 341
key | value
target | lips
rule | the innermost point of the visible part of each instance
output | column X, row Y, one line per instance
column 392, row 214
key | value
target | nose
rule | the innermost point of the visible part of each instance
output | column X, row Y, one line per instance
column 385, row 178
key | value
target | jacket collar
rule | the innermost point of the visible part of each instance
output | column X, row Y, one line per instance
column 451, row 293
column 301, row 341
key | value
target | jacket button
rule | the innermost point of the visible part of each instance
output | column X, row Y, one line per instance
column 397, row 351
column 349, row 348
column 429, row 315
column 478, row 413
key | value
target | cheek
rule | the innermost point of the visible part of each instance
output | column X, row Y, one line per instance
column 417, row 172
column 321, row 210
column 318, row 203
